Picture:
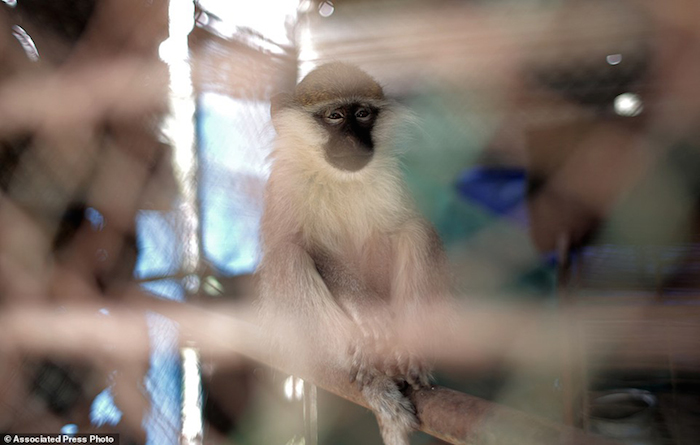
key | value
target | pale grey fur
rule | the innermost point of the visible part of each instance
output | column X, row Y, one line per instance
column 346, row 257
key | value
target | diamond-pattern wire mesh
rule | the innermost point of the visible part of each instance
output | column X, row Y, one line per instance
column 91, row 209
column 78, row 170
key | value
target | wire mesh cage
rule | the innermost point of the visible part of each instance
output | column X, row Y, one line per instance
column 553, row 145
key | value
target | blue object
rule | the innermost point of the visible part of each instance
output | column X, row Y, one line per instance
column 70, row 429
column 500, row 190
column 103, row 410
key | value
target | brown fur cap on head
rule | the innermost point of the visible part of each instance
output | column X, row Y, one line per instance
column 334, row 81
column 330, row 82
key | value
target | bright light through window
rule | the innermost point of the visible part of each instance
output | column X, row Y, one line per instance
column 268, row 17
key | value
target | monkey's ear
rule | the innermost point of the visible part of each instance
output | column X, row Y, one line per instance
column 278, row 102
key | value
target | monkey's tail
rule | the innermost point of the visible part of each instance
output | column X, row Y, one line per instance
column 395, row 413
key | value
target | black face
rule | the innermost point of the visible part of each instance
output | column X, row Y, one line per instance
column 350, row 146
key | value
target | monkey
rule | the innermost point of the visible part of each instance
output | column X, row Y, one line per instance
column 346, row 256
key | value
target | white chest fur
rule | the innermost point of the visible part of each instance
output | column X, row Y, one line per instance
column 332, row 209
column 331, row 206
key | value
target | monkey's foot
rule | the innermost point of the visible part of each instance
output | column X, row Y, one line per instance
column 409, row 367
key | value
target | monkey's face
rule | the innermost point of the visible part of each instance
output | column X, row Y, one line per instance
column 349, row 125
column 334, row 115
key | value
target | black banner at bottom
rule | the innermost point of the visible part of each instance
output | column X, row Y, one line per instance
column 110, row 439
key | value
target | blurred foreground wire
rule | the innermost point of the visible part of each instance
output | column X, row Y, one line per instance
column 571, row 120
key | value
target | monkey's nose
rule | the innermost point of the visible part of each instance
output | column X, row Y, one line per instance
column 360, row 145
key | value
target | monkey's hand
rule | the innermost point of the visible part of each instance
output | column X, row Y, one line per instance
column 377, row 351
column 409, row 366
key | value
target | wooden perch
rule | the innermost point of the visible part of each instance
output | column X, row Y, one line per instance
column 84, row 332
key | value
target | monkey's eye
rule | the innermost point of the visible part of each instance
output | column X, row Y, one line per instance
column 334, row 116
column 363, row 113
